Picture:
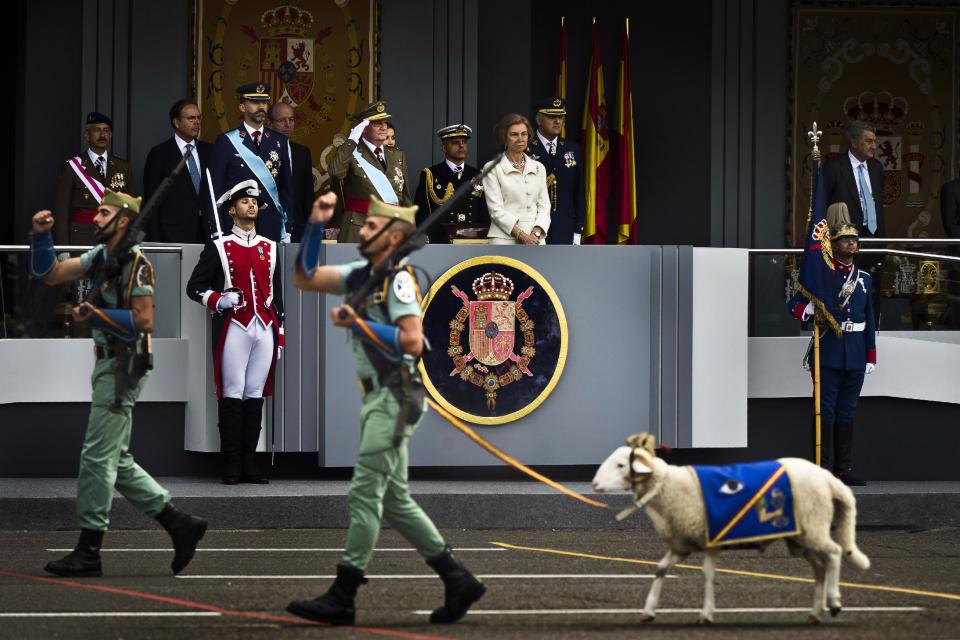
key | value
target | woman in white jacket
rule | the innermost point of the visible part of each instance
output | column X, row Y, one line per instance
column 516, row 188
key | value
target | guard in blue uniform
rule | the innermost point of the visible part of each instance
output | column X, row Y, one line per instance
column 847, row 357
column 252, row 151
column 561, row 158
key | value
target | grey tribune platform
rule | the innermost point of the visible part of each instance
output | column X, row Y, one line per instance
column 30, row 504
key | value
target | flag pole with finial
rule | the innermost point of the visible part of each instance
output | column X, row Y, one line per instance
column 814, row 136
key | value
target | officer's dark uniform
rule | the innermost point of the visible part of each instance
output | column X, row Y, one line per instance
column 437, row 184
column 564, row 179
column 843, row 358
column 228, row 168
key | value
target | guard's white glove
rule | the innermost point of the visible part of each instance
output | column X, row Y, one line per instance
column 358, row 130
column 228, row 301
column 576, row 239
column 870, row 367
column 808, row 311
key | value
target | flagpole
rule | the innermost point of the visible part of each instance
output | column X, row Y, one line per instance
column 814, row 136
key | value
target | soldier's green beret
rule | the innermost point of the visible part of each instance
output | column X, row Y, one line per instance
column 372, row 112
column 384, row 210
column 125, row 202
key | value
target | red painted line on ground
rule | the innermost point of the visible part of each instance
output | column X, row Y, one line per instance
column 209, row 607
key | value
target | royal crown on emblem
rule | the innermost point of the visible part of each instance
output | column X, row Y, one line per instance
column 287, row 20
column 493, row 286
column 881, row 109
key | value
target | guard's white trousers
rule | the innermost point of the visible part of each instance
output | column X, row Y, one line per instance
column 247, row 355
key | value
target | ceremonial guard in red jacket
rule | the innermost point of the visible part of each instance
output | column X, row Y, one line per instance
column 238, row 280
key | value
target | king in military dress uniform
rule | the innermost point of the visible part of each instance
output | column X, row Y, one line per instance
column 121, row 328
column 387, row 341
column 83, row 181
column 237, row 279
column 469, row 217
column 846, row 354
column 252, row 151
column 364, row 166
column 562, row 159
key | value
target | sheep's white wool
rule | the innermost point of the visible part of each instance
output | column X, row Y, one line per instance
column 671, row 499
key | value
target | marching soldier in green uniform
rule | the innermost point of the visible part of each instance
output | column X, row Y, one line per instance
column 364, row 166
column 83, row 180
column 437, row 184
column 121, row 336
column 388, row 339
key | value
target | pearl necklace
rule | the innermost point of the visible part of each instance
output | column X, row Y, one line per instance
column 519, row 165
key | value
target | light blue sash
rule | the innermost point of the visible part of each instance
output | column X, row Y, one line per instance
column 379, row 179
column 261, row 173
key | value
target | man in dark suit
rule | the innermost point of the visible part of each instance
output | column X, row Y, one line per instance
column 254, row 152
column 364, row 166
column 950, row 208
column 280, row 118
column 564, row 175
column 183, row 215
column 83, row 181
column 437, row 184
column 856, row 178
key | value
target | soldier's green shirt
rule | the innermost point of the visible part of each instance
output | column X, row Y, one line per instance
column 401, row 300
column 137, row 279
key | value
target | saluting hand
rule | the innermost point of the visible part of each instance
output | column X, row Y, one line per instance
column 42, row 221
column 323, row 207
column 349, row 316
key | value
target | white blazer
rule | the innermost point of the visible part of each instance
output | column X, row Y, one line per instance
column 514, row 197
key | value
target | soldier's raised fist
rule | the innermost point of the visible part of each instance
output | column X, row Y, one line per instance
column 323, row 207
column 42, row 221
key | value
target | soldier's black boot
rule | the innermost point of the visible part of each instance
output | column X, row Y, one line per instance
column 336, row 605
column 843, row 458
column 460, row 588
column 83, row 561
column 231, row 430
column 826, row 443
column 185, row 531
column 252, row 415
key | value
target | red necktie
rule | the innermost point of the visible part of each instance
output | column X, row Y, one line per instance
column 256, row 138
column 383, row 163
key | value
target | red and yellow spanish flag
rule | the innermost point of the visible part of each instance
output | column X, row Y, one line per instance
column 562, row 70
column 625, row 176
column 595, row 140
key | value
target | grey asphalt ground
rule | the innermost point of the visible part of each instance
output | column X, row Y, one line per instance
column 225, row 593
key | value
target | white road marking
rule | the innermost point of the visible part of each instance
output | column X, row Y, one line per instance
column 111, row 614
column 270, row 550
column 546, row 612
column 432, row 576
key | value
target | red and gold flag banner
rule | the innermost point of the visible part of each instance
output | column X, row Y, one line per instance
column 625, row 176
column 562, row 70
column 317, row 55
column 595, row 140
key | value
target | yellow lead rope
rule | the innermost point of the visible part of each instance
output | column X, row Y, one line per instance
column 470, row 433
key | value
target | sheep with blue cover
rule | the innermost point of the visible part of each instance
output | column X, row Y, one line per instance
column 706, row 508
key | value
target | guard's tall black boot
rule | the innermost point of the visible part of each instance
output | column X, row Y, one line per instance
column 460, row 588
column 843, row 449
column 827, row 454
column 185, row 531
column 252, row 415
column 336, row 605
column 231, row 430
column 83, row 561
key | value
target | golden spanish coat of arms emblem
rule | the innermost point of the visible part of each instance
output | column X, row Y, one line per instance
column 506, row 340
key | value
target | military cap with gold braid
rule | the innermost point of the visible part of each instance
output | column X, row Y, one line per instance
column 384, row 210
column 455, row 131
column 845, row 231
column 254, row 91
column 552, row 107
column 372, row 112
column 127, row 204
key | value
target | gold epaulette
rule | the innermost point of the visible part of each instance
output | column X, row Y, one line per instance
column 433, row 194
